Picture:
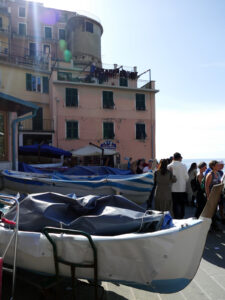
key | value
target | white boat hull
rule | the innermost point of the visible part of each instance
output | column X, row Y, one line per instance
column 163, row 261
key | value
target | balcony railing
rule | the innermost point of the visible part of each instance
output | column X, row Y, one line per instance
column 4, row 30
column 46, row 125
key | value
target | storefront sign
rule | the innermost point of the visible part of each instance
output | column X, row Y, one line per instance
column 108, row 145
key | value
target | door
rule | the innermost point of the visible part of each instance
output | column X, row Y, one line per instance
column 38, row 121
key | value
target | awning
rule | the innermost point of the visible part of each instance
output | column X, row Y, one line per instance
column 13, row 104
column 92, row 151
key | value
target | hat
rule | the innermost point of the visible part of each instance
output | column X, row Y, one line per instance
column 221, row 162
column 177, row 155
column 151, row 160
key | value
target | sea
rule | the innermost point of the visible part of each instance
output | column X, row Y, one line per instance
column 188, row 162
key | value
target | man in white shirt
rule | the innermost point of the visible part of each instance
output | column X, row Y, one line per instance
column 179, row 194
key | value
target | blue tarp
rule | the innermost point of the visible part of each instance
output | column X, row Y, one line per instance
column 78, row 170
column 96, row 215
column 43, row 150
column 96, row 170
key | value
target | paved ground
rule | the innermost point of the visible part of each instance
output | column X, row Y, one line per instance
column 208, row 284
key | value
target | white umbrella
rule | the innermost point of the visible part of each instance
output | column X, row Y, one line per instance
column 92, row 151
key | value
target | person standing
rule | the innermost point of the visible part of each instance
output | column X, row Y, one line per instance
column 163, row 179
column 213, row 178
column 192, row 172
column 140, row 166
column 179, row 194
column 222, row 200
column 148, row 167
column 200, row 195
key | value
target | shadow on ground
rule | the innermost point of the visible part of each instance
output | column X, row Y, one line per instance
column 214, row 251
column 24, row 291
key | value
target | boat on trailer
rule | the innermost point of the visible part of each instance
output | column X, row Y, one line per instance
column 163, row 261
column 136, row 187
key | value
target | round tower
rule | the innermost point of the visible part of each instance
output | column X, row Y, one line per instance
column 83, row 36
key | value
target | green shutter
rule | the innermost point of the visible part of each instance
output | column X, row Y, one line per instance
column 107, row 99
column 45, row 85
column 72, row 129
column 28, row 82
column 71, row 97
column 140, row 132
column 108, row 131
column 140, row 101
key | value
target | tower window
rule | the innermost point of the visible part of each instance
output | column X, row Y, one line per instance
column 62, row 34
column 89, row 27
column 48, row 32
column 22, row 29
column 22, row 12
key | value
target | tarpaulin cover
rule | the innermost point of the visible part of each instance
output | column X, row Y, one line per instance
column 78, row 170
column 96, row 170
column 96, row 215
column 43, row 150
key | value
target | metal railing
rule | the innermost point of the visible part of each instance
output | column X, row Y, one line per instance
column 30, row 125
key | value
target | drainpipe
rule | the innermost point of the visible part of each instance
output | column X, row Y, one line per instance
column 14, row 125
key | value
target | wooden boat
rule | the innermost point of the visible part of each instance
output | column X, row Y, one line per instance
column 163, row 261
column 134, row 187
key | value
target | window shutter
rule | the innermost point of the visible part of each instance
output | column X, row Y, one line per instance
column 71, row 97
column 28, row 82
column 45, row 85
column 108, row 99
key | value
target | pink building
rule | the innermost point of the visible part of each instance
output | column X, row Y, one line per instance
column 108, row 114
column 54, row 60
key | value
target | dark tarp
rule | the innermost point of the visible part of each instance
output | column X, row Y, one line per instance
column 43, row 150
column 96, row 215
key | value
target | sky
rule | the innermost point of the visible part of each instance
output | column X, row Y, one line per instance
column 183, row 43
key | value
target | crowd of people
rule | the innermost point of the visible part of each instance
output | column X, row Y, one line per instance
column 175, row 186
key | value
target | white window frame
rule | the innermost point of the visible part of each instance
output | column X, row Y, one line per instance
column 19, row 12
column 19, row 28
column 36, row 84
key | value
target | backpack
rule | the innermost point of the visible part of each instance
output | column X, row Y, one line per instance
column 194, row 184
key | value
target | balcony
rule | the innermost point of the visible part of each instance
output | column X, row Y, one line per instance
column 106, row 77
column 46, row 125
column 4, row 31
column 28, row 61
